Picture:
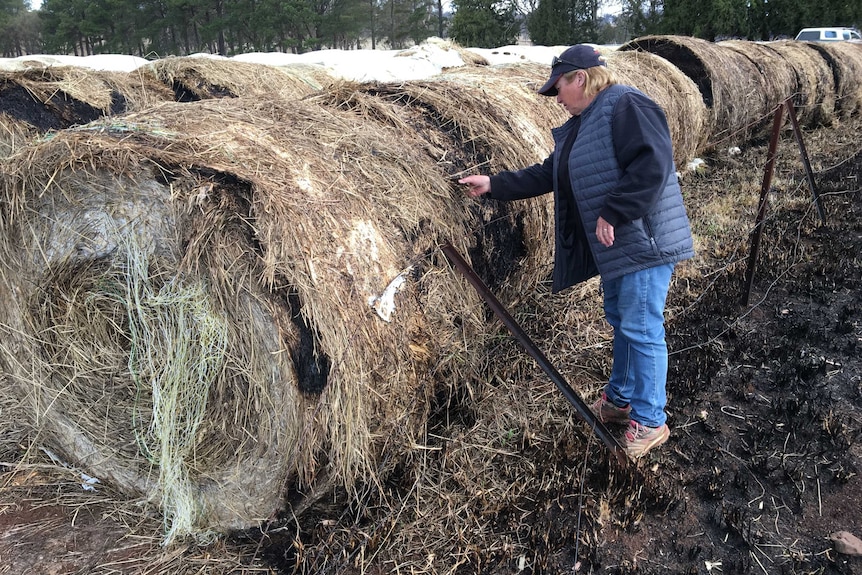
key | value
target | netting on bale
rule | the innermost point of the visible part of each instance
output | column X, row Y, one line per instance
column 193, row 78
column 207, row 303
column 478, row 120
column 675, row 92
column 815, row 85
column 729, row 84
column 845, row 60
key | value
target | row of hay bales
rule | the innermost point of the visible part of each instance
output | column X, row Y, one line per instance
column 741, row 83
column 712, row 92
column 196, row 294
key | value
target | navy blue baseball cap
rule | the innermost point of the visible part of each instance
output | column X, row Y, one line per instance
column 578, row 57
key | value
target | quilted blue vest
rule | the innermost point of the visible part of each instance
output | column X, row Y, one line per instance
column 663, row 236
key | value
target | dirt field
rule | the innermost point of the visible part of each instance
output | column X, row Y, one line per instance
column 762, row 466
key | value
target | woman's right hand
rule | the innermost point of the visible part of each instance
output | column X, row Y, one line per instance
column 478, row 185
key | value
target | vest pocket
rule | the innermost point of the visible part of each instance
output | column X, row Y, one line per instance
column 650, row 235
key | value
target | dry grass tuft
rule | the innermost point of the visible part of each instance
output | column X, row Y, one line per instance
column 469, row 57
column 14, row 134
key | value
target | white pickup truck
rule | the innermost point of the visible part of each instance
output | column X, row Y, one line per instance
column 835, row 34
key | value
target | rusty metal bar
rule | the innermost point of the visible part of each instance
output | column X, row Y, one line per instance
column 809, row 173
column 761, row 210
column 582, row 408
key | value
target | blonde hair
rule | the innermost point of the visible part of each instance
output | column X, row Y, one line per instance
column 597, row 79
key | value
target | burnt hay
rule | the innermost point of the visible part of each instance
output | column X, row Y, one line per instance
column 37, row 100
column 477, row 120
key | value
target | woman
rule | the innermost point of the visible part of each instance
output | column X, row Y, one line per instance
column 619, row 213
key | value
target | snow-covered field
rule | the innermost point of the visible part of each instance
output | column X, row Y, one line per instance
column 423, row 61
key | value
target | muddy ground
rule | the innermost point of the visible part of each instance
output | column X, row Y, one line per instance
column 765, row 404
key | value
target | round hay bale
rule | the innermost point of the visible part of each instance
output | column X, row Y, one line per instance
column 845, row 60
column 675, row 92
column 728, row 82
column 209, row 302
column 777, row 77
column 815, row 84
column 478, row 120
column 202, row 77
column 511, row 102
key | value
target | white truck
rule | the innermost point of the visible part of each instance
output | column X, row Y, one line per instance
column 834, row 34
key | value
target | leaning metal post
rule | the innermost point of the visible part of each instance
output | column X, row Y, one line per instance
column 797, row 133
column 761, row 210
column 582, row 408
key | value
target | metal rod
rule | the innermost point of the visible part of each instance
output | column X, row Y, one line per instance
column 582, row 408
column 809, row 173
column 761, row 210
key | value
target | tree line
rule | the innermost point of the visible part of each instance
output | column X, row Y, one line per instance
column 158, row 28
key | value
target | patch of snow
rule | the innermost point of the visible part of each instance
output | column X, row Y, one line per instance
column 416, row 63
column 104, row 62
column 423, row 61
column 384, row 304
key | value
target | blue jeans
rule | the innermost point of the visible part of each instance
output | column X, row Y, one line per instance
column 634, row 306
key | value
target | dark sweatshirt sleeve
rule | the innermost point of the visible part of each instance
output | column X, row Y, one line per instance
column 533, row 181
column 645, row 156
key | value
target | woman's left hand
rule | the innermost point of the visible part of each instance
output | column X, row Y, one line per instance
column 605, row 232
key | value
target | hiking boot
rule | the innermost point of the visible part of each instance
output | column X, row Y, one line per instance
column 639, row 439
column 607, row 412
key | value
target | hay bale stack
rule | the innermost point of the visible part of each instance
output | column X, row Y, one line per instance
column 728, row 82
column 478, row 120
column 187, row 301
column 815, row 85
column 40, row 99
column 845, row 60
column 675, row 92
column 194, row 78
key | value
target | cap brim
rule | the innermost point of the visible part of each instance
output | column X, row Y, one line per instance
column 550, row 87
